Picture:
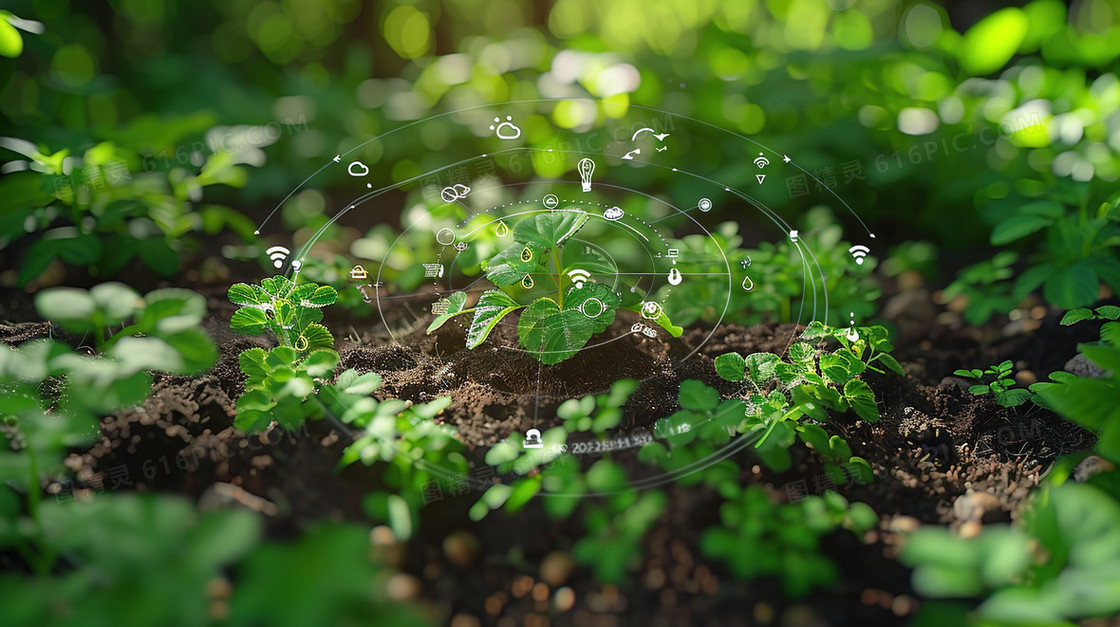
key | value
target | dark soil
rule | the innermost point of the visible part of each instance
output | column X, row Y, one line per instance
column 934, row 444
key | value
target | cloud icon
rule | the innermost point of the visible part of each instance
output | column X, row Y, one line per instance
column 357, row 168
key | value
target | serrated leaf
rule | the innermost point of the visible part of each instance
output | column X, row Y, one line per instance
column 548, row 230
column 320, row 363
column 761, row 367
column 252, row 362
column 556, row 334
column 456, row 302
column 317, row 336
column 243, row 293
column 248, row 320
column 322, row 296
column 492, row 306
column 862, row 399
column 731, row 366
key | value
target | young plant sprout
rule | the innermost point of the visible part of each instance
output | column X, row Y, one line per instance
column 554, row 326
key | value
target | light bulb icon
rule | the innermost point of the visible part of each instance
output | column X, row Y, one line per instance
column 586, row 168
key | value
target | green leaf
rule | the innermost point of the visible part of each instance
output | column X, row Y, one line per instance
column 548, row 230
column 839, row 447
column 731, row 366
column 322, row 296
column 456, row 302
column 761, row 367
column 70, row 307
column 556, row 334
column 350, row 382
column 1018, row 227
column 816, row 436
column 891, row 363
column 1111, row 312
column 11, row 43
column 801, row 352
column 509, row 268
column 992, row 41
column 116, row 302
column 599, row 317
column 835, row 368
column 243, row 294
column 862, row 399
column 606, row 476
column 317, row 336
column 252, row 362
column 320, row 363
column 1076, row 315
column 696, row 396
column 1072, row 287
column 492, row 306
column 1107, row 357
column 249, row 321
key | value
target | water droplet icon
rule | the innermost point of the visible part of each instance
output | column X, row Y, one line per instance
column 748, row 284
column 526, row 255
column 501, row 230
column 527, row 282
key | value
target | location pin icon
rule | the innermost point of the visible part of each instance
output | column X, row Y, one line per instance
column 675, row 277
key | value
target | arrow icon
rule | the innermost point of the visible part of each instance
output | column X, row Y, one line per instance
column 760, row 177
column 337, row 158
column 659, row 136
column 633, row 153
column 786, row 158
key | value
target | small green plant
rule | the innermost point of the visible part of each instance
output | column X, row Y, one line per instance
column 399, row 437
column 985, row 286
column 281, row 381
column 52, row 397
column 102, row 208
column 759, row 537
column 998, row 381
column 553, row 326
column 1093, row 403
column 1075, row 249
column 807, row 385
column 1104, row 312
column 1056, row 566
column 776, row 272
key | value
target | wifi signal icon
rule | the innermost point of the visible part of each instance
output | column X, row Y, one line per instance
column 278, row 254
column 761, row 161
column 579, row 276
column 859, row 251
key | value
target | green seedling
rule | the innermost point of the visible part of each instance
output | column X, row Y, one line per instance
column 555, row 326
column 282, row 382
column 998, row 381
column 759, row 538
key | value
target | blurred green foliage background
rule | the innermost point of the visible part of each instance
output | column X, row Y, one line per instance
column 934, row 122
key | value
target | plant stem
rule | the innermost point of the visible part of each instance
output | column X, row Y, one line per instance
column 559, row 291
column 34, row 497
